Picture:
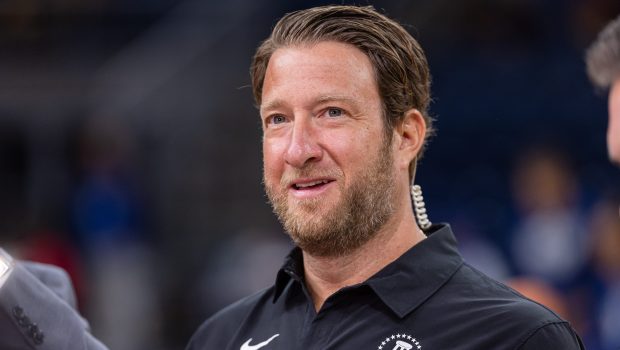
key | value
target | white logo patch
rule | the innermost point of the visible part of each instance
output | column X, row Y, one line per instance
column 400, row 342
column 247, row 346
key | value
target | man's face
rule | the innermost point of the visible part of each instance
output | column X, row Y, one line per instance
column 328, row 167
column 613, row 129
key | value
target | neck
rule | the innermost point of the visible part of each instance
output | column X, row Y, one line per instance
column 326, row 275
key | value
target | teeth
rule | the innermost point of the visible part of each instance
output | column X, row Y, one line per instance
column 310, row 184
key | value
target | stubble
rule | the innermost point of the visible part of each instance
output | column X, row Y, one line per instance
column 362, row 210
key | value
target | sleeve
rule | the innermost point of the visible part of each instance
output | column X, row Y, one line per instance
column 553, row 336
column 37, row 311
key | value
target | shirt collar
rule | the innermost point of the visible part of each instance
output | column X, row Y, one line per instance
column 416, row 275
column 407, row 282
column 291, row 270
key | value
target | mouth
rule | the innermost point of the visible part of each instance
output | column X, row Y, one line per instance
column 310, row 187
column 310, row 184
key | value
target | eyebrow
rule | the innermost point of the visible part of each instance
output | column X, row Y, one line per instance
column 274, row 104
column 332, row 98
column 277, row 103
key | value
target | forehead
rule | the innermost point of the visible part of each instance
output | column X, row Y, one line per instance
column 326, row 68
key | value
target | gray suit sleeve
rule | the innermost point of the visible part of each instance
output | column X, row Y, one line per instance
column 37, row 311
column 553, row 336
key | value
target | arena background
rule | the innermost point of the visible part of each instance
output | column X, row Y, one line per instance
column 130, row 154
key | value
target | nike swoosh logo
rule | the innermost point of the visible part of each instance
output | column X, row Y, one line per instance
column 247, row 345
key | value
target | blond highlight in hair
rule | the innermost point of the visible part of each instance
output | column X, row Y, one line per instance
column 603, row 56
column 400, row 66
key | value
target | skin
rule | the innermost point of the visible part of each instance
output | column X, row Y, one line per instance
column 613, row 129
column 321, row 110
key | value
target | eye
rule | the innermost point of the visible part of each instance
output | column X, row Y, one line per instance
column 334, row 112
column 276, row 119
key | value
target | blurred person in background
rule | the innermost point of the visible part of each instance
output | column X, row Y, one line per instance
column 106, row 213
column 603, row 67
column 37, row 301
column 549, row 242
column 38, row 306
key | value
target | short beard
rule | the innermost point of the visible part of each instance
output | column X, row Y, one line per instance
column 363, row 210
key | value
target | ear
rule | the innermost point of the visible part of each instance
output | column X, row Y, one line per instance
column 410, row 135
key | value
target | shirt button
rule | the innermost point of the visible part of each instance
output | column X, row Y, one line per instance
column 36, row 335
column 33, row 329
column 18, row 312
column 23, row 321
column 38, row 338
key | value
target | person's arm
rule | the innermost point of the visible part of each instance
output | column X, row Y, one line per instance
column 553, row 336
column 37, row 310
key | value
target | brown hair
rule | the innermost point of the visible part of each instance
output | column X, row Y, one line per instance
column 603, row 56
column 400, row 65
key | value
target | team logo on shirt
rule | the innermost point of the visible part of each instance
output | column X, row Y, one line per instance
column 400, row 341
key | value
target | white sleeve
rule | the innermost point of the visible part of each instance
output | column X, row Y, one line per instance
column 6, row 266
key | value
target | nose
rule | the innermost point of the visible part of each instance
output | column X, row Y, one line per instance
column 303, row 147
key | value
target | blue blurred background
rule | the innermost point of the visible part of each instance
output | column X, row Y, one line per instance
column 130, row 154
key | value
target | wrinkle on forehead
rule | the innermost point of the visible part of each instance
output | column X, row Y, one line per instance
column 313, row 68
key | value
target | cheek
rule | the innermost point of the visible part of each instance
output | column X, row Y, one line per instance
column 273, row 158
column 351, row 150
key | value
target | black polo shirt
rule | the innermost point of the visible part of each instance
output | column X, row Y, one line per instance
column 427, row 299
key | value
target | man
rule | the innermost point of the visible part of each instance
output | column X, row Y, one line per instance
column 603, row 63
column 343, row 94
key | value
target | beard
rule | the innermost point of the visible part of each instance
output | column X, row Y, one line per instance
column 362, row 210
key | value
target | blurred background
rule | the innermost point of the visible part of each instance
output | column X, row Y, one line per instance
column 130, row 154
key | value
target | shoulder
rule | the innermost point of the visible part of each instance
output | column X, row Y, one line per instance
column 218, row 329
column 554, row 335
column 505, row 314
column 495, row 297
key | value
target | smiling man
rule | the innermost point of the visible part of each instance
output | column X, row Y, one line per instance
column 343, row 94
